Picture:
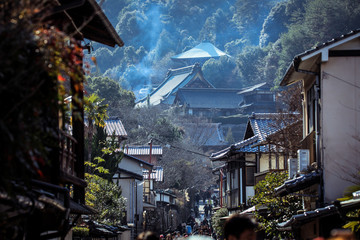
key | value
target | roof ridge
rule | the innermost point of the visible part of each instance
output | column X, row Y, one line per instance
column 263, row 115
column 178, row 71
column 246, row 141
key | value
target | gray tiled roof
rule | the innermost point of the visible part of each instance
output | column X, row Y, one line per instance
column 298, row 183
column 209, row 98
column 143, row 150
column 339, row 207
column 262, row 125
column 175, row 79
column 245, row 146
column 115, row 126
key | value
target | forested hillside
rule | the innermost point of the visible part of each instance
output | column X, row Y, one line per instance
column 260, row 36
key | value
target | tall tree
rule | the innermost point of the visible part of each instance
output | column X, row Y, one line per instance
column 118, row 100
column 96, row 115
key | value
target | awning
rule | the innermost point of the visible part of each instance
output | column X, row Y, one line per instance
column 338, row 208
column 298, row 183
column 306, row 217
column 77, row 208
column 148, row 206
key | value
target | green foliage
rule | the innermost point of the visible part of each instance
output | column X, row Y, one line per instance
column 95, row 110
column 250, row 62
column 320, row 21
column 279, row 209
column 221, row 72
column 105, row 197
column 218, row 224
column 103, row 149
column 80, row 231
column 115, row 97
column 152, row 122
column 95, row 166
column 353, row 225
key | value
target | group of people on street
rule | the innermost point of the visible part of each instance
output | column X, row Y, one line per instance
column 235, row 228
column 238, row 227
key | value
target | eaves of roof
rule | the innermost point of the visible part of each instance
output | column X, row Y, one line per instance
column 300, row 219
column 187, row 73
column 276, row 133
column 308, row 216
column 240, row 147
column 298, row 183
column 252, row 88
column 293, row 75
column 88, row 20
column 139, row 160
column 131, row 174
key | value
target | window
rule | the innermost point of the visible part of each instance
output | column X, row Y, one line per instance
column 234, row 179
column 250, row 178
column 310, row 104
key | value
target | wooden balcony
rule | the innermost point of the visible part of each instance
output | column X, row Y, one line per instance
column 309, row 143
column 67, row 161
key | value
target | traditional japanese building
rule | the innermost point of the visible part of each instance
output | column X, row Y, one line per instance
column 46, row 196
column 258, row 99
column 185, row 77
column 246, row 162
column 329, row 158
column 209, row 103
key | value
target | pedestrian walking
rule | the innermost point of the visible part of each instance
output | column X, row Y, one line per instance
column 238, row 227
column 196, row 211
column 206, row 209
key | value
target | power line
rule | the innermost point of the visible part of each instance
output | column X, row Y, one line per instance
column 176, row 147
column 340, row 79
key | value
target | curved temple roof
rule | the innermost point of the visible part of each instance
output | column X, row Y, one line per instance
column 203, row 50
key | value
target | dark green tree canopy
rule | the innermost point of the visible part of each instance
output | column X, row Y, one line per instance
column 118, row 99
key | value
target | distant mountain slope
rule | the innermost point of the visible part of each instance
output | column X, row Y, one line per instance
column 261, row 36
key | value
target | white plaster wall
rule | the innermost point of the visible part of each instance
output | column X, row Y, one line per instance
column 340, row 118
column 131, row 165
column 127, row 192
